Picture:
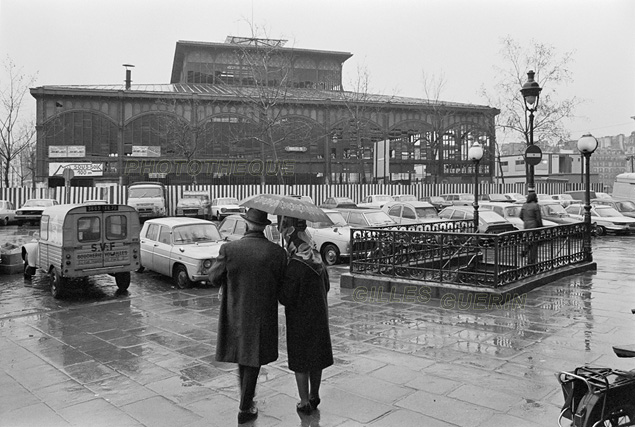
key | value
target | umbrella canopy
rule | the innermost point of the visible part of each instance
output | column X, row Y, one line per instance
column 286, row 206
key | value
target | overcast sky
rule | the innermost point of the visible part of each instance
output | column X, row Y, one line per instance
column 76, row 42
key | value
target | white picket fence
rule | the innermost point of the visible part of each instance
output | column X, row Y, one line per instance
column 117, row 193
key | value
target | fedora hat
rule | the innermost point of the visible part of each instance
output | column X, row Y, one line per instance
column 256, row 216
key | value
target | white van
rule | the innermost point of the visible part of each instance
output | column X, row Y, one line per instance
column 84, row 240
column 624, row 186
column 149, row 199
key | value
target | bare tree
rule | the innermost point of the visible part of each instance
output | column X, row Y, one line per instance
column 15, row 135
column 27, row 166
column 552, row 70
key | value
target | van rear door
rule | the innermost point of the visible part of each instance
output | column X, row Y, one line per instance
column 117, row 239
column 89, row 252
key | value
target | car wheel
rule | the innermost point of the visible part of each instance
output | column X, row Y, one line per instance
column 330, row 254
column 600, row 230
column 57, row 283
column 181, row 279
column 5, row 221
column 122, row 280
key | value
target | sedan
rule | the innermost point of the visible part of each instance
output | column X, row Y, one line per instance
column 180, row 247
column 605, row 218
column 234, row 227
column 225, row 206
column 31, row 211
column 489, row 221
column 7, row 212
column 332, row 240
column 366, row 217
column 411, row 212
column 338, row 202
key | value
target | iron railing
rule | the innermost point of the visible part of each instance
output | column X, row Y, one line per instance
column 457, row 255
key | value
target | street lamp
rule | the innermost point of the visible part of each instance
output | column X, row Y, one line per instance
column 531, row 93
column 587, row 144
column 475, row 154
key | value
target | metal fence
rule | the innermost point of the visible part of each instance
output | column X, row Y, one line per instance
column 458, row 256
column 117, row 193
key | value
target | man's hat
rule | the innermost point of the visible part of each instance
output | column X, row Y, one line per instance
column 257, row 217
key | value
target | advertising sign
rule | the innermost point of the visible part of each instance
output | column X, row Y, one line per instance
column 67, row 151
column 146, row 151
column 80, row 169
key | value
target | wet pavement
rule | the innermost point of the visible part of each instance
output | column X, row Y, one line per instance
column 146, row 358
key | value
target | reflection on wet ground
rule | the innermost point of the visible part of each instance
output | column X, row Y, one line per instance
column 147, row 357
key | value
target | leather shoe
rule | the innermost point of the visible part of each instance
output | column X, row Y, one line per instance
column 305, row 409
column 248, row 415
column 314, row 401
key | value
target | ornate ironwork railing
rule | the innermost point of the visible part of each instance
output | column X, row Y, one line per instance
column 459, row 256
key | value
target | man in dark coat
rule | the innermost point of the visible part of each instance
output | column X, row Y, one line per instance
column 250, row 273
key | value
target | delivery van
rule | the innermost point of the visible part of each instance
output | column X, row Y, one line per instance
column 83, row 240
column 149, row 199
column 624, row 186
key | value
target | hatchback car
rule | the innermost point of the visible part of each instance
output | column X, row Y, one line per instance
column 489, row 221
column 31, row 210
column 338, row 202
column 511, row 212
column 225, row 206
column 625, row 207
column 366, row 217
column 332, row 240
column 7, row 212
column 234, row 227
column 411, row 212
column 554, row 212
column 180, row 247
column 605, row 218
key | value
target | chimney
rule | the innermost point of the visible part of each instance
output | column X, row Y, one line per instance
column 128, row 75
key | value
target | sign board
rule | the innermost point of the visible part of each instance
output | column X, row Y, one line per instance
column 157, row 175
column 79, row 168
column 67, row 151
column 146, row 151
column 533, row 155
column 68, row 174
column 296, row 149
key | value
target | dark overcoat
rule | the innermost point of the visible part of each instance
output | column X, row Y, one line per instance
column 306, row 309
column 531, row 216
column 249, row 272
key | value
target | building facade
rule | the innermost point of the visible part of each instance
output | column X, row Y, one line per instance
column 250, row 111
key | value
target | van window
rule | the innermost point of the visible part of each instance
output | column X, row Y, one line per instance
column 88, row 229
column 153, row 232
column 116, row 227
column 44, row 228
column 164, row 236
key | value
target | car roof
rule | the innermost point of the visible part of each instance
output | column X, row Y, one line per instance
column 501, row 204
column 177, row 220
column 361, row 210
column 413, row 203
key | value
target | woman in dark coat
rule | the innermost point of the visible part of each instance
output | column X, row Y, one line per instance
column 532, row 218
column 304, row 290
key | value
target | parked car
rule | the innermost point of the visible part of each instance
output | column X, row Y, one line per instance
column 84, row 240
column 332, row 240
column 225, row 206
column 195, row 204
column 411, row 212
column 605, row 218
column 234, row 227
column 601, row 195
column 438, row 202
column 405, row 198
column 516, row 197
column 489, row 221
column 7, row 212
column 150, row 199
column 459, row 199
column 553, row 211
column 494, row 197
column 180, row 247
column 366, row 217
column 625, row 207
column 511, row 212
column 31, row 210
column 564, row 199
column 338, row 202
column 375, row 201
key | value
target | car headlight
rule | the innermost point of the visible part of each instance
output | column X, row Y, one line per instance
column 207, row 263
column 19, row 212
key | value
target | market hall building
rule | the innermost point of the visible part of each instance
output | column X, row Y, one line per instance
column 251, row 111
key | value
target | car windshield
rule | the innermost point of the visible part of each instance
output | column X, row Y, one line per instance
column 605, row 211
column 336, row 217
column 426, row 213
column 37, row 203
column 512, row 211
column 141, row 192
column 625, row 206
column 378, row 218
column 228, row 201
column 194, row 233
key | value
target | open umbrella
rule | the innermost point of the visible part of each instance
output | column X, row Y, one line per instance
column 286, row 206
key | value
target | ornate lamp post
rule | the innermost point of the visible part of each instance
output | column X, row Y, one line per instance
column 587, row 144
column 475, row 154
column 531, row 93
